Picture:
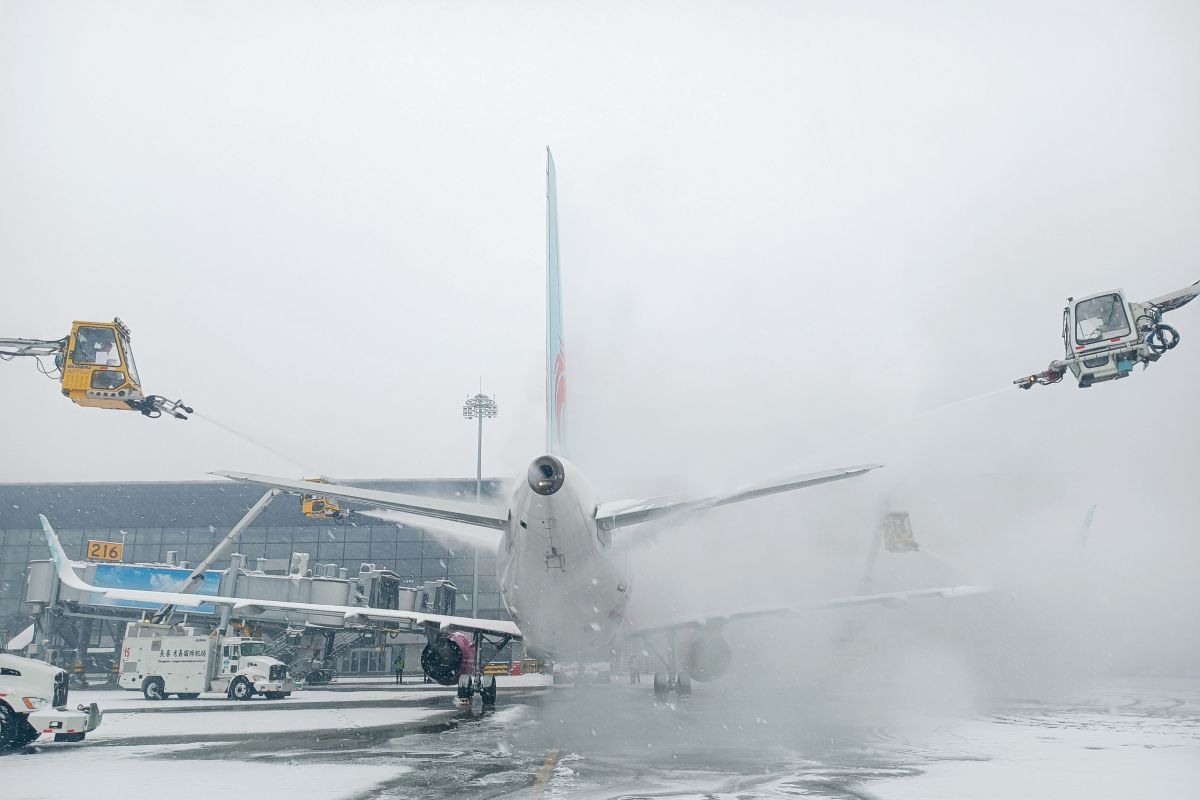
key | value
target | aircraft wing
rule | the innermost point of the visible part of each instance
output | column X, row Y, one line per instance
column 621, row 513
column 889, row 599
column 352, row 615
column 488, row 516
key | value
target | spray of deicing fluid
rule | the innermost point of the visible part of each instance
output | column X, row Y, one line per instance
column 909, row 420
column 308, row 468
column 936, row 409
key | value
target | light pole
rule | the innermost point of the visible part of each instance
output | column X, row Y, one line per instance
column 478, row 407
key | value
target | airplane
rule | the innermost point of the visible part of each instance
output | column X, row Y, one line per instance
column 562, row 580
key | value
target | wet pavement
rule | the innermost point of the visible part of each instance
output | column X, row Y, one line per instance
column 615, row 741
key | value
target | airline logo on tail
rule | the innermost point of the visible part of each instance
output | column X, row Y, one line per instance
column 558, row 410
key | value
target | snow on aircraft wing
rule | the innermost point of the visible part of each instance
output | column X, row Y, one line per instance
column 620, row 513
column 488, row 516
column 890, row 599
column 241, row 605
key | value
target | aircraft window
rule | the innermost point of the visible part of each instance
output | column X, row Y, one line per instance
column 1100, row 318
column 96, row 346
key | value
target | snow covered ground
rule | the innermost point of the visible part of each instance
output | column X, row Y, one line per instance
column 132, row 773
column 1122, row 743
column 213, row 747
column 1126, row 739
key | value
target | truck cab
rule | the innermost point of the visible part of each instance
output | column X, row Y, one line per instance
column 1102, row 337
column 33, row 701
column 245, row 665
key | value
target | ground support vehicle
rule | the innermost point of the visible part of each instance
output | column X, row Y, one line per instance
column 94, row 365
column 33, row 701
column 162, row 660
column 1105, row 336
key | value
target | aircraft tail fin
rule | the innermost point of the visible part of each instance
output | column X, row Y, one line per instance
column 556, row 382
column 62, row 564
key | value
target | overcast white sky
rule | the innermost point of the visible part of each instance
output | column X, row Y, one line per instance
column 783, row 224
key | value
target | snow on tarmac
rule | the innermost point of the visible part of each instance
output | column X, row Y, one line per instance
column 132, row 725
column 1130, row 744
column 119, row 700
column 126, row 773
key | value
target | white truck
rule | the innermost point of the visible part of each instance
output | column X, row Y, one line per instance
column 33, row 701
column 162, row 660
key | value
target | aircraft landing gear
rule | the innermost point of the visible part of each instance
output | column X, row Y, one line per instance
column 477, row 682
column 672, row 679
column 465, row 690
column 666, row 682
column 487, row 691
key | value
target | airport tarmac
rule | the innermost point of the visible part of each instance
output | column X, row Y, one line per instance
column 1122, row 739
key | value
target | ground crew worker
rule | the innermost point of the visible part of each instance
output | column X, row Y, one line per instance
column 398, row 666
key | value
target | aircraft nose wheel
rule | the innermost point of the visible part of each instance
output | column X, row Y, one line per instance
column 662, row 684
column 487, row 690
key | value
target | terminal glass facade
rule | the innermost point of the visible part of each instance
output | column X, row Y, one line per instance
column 190, row 518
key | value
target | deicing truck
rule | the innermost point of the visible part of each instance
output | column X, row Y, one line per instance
column 162, row 660
column 33, row 701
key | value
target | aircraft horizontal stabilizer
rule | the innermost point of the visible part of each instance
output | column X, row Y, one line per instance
column 66, row 573
column 622, row 513
column 481, row 514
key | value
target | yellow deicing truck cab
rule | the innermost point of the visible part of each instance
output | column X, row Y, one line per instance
column 97, row 367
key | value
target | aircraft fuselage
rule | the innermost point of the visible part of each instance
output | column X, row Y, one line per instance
column 559, row 578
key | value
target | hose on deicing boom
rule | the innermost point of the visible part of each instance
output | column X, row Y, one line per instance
column 1162, row 338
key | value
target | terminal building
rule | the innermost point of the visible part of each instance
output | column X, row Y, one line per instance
column 179, row 523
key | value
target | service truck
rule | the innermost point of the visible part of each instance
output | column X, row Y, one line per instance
column 33, row 701
column 162, row 660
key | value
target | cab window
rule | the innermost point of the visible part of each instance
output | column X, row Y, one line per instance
column 133, row 373
column 254, row 649
column 1100, row 318
column 96, row 346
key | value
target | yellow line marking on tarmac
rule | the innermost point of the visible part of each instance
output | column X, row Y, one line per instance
column 539, row 784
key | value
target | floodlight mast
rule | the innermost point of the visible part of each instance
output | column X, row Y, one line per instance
column 478, row 408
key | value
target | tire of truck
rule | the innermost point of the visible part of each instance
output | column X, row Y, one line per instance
column 153, row 688
column 241, row 689
column 188, row 695
column 275, row 695
column 15, row 730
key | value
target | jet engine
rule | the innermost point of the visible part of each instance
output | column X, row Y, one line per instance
column 446, row 657
column 705, row 656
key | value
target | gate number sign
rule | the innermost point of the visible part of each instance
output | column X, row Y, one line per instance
column 104, row 551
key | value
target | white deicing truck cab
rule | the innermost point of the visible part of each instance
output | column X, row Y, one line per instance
column 162, row 660
column 33, row 701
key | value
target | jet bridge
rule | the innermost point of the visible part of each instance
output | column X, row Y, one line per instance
column 69, row 621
